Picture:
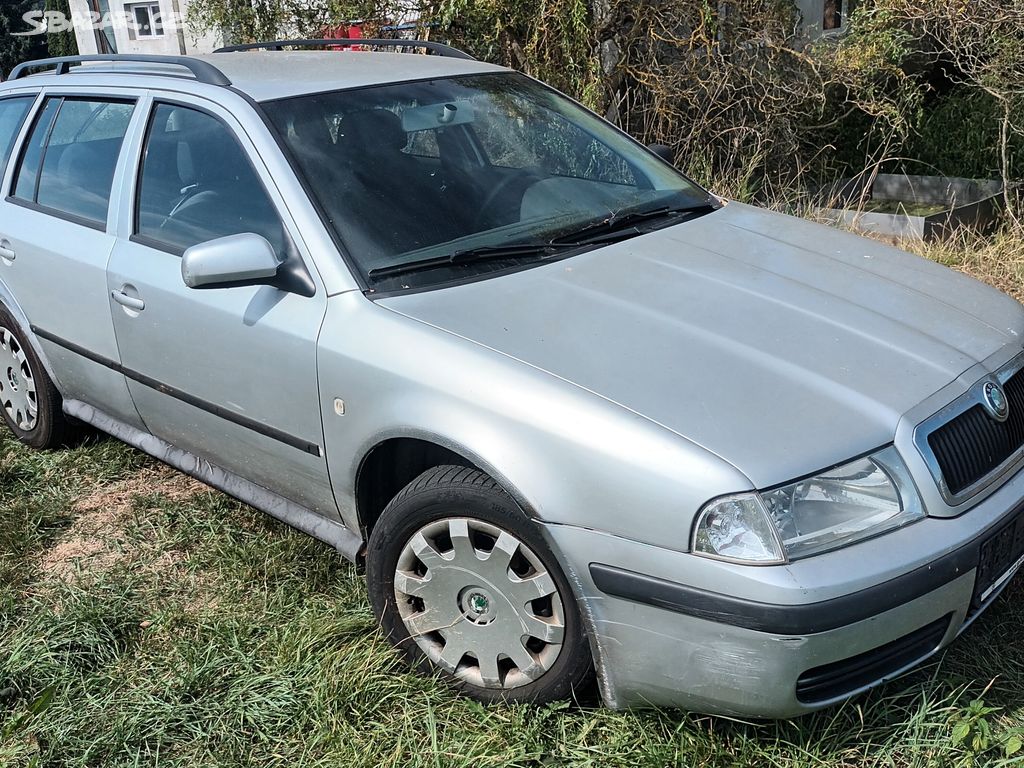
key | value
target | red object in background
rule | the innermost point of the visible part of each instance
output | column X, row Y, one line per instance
column 352, row 31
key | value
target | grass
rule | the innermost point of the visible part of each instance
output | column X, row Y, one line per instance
column 997, row 260
column 147, row 620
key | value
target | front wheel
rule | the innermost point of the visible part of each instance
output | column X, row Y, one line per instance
column 464, row 584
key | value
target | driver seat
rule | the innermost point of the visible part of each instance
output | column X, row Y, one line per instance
column 387, row 184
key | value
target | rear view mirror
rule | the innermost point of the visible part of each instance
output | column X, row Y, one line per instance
column 664, row 151
column 433, row 116
column 229, row 262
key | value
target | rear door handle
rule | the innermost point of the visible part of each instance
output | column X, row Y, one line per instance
column 130, row 302
column 6, row 252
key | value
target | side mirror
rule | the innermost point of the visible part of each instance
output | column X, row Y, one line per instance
column 229, row 262
column 664, row 152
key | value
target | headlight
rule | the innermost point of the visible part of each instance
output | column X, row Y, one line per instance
column 849, row 503
column 738, row 528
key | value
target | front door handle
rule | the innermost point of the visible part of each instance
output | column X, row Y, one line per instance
column 130, row 302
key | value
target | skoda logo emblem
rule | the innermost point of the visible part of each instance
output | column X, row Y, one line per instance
column 995, row 402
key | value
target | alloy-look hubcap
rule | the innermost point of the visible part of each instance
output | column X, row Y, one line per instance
column 17, row 385
column 479, row 603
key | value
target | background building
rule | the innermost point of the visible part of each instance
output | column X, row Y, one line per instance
column 824, row 17
column 145, row 32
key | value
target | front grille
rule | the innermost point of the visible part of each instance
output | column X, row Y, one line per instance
column 843, row 677
column 973, row 444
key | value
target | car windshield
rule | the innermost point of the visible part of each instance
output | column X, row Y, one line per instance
column 438, row 180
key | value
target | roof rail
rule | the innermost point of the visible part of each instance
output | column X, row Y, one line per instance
column 439, row 49
column 204, row 71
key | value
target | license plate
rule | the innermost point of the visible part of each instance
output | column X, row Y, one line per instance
column 1002, row 554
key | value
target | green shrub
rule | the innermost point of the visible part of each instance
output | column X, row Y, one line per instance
column 958, row 135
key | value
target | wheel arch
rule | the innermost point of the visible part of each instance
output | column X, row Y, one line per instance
column 393, row 462
column 9, row 303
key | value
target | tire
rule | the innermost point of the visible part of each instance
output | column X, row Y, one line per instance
column 30, row 404
column 449, row 561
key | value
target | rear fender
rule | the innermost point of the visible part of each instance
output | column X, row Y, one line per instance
column 11, row 305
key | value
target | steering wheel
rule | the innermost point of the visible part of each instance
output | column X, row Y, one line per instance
column 526, row 177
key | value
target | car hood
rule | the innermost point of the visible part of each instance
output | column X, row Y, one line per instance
column 780, row 345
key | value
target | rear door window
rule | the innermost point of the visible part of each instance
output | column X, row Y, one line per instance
column 69, row 160
column 12, row 115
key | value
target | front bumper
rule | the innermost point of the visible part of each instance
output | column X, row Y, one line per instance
column 672, row 629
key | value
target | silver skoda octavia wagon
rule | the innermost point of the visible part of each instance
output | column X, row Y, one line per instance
column 576, row 415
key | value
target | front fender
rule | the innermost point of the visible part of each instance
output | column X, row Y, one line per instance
column 565, row 454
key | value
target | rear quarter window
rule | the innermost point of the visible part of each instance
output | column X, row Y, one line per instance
column 12, row 115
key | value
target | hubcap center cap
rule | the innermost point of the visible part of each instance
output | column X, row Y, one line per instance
column 12, row 379
column 477, row 605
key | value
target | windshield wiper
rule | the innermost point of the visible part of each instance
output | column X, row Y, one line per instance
column 616, row 227
column 471, row 256
column 606, row 230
